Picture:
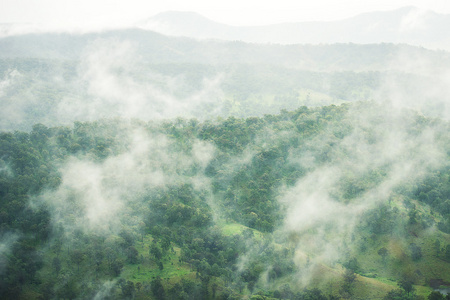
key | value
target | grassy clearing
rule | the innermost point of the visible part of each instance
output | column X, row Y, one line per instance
column 230, row 229
column 388, row 281
column 423, row 290
column 148, row 269
column 375, row 288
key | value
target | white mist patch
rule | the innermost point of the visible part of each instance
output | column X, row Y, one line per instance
column 105, row 290
column 6, row 242
column 417, row 83
column 311, row 204
column 318, row 212
column 5, row 169
column 96, row 196
column 203, row 152
column 9, row 78
column 414, row 20
column 107, row 67
column 12, row 107
column 82, row 199
column 117, row 82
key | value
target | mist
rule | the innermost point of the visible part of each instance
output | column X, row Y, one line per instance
column 424, row 92
column 6, row 243
column 102, row 196
column 137, row 165
column 117, row 84
column 315, row 212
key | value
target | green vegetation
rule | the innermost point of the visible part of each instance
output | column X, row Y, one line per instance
column 225, row 209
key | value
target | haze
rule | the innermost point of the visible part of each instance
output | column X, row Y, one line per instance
column 112, row 13
column 164, row 151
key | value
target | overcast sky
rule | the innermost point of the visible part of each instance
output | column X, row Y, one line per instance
column 233, row 12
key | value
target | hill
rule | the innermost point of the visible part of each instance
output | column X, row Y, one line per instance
column 345, row 201
column 62, row 78
column 152, row 47
column 407, row 25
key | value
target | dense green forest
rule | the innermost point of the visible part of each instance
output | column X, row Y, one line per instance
column 140, row 166
column 57, row 92
column 348, row 201
column 59, row 78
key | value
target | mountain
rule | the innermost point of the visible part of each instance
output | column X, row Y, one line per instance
column 45, row 77
column 408, row 25
column 153, row 47
column 337, row 202
column 136, row 165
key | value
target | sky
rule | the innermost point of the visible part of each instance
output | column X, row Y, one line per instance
column 115, row 13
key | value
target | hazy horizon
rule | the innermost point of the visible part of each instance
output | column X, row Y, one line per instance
column 179, row 158
column 111, row 14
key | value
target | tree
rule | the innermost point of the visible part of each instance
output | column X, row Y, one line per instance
column 138, row 286
column 437, row 247
column 416, row 252
column 158, row 288
column 286, row 292
column 435, row 295
column 57, row 265
column 214, row 287
column 447, row 252
column 69, row 290
column 396, row 294
column 347, row 286
column 165, row 243
column 412, row 217
column 132, row 255
column 98, row 258
column 142, row 230
column 407, row 286
column 128, row 289
column 155, row 251
column 313, row 294
column 383, row 252
column 77, row 257
column 352, row 264
column 116, row 267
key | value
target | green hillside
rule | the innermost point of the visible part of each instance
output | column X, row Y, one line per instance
column 59, row 78
column 333, row 202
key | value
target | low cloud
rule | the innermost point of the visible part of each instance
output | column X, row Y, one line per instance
column 417, row 83
column 105, row 290
column 12, row 106
column 416, row 19
column 380, row 154
column 95, row 196
column 6, row 242
column 119, row 83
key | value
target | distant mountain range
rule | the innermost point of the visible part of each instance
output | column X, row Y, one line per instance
column 155, row 48
column 44, row 73
column 408, row 25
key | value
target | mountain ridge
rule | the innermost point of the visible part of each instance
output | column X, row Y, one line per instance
column 408, row 25
column 158, row 48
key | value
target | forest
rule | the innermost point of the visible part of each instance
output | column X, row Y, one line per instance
column 345, row 201
column 135, row 165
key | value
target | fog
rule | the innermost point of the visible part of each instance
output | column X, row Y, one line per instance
column 116, row 86
column 382, row 146
column 426, row 92
column 110, row 79
column 102, row 197
column 128, row 136
column 322, row 223
column 6, row 243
